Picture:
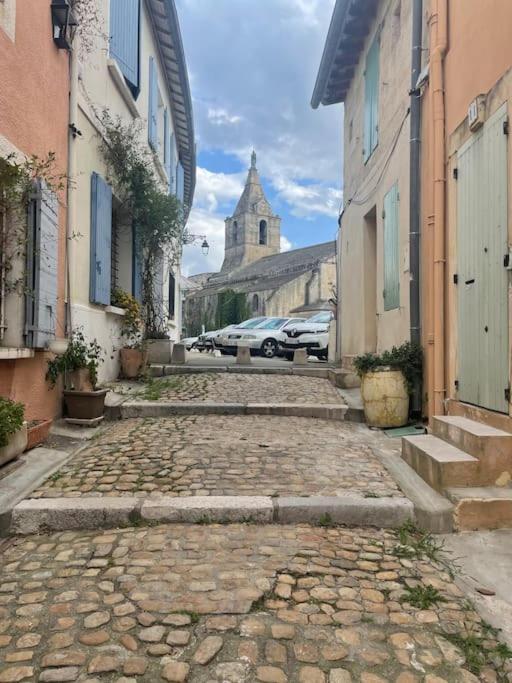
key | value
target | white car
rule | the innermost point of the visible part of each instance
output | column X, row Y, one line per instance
column 313, row 335
column 189, row 342
column 265, row 338
column 222, row 340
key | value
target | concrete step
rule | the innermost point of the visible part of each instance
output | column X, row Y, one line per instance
column 480, row 508
column 439, row 463
column 493, row 447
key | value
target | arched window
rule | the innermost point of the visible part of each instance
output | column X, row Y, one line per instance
column 263, row 232
column 235, row 232
column 255, row 303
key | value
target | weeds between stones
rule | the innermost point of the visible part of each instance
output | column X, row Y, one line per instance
column 422, row 596
column 479, row 650
column 326, row 521
column 415, row 543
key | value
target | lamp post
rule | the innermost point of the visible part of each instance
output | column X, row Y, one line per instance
column 63, row 22
column 190, row 238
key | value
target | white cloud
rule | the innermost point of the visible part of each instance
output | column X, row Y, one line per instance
column 217, row 189
column 308, row 200
column 210, row 225
column 286, row 245
column 220, row 117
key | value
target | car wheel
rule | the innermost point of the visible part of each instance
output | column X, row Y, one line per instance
column 288, row 355
column 223, row 352
column 324, row 355
column 269, row 348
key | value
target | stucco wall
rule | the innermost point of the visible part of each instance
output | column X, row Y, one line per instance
column 365, row 326
column 33, row 121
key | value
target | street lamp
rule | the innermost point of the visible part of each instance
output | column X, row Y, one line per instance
column 190, row 238
column 205, row 247
column 62, row 21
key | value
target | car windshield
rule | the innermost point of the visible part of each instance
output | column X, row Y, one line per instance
column 323, row 317
column 271, row 323
column 253, row 322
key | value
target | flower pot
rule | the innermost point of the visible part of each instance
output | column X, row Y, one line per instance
column 132, row 362
column 58, row 346
column 15, row 446
column 159, row 351
column 385, row 398
column 85, row 405
column 38, row 433
column 81, row 380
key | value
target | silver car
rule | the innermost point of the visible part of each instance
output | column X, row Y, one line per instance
column 313, row 335
column 265, row 338
column 222, row 341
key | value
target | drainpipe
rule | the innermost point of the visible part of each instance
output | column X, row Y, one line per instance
column 415, row 183
column 439, row 38
column 71, row 173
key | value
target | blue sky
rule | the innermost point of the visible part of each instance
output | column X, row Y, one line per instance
column 252, row 67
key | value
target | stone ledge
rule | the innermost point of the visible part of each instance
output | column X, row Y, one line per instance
column 324, row 411
column 206, row 509
column 349, row 509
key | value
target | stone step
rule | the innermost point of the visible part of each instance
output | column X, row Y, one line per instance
column 439, row 463
column 493, row 447
column 480, row 508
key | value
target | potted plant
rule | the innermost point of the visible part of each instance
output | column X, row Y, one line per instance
column 387, row 380
column 13, row 430
column 79, row 366
column 38, row 431
column 133, row 354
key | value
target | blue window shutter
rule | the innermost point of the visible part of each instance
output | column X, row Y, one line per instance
column 180, row 182
column 172, row 165
column 167, row 147
column 124, row 38
column 391, row 250
column 101, row 240
column 42, row 267
column 153, row 105
column 136, row 267
column 371, row 100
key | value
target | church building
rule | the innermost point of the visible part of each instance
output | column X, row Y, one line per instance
column 268, row 282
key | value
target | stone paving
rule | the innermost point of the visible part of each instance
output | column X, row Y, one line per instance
column 225, row 455
column 237, row 603
column 233, row 388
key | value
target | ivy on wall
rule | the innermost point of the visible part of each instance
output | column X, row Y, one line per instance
column 232, row 308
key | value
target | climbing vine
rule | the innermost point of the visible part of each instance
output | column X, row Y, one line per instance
column 90, row 23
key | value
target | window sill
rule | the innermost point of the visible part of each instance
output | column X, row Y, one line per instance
column 124, row 90
column 115, row 310
column 14, row 353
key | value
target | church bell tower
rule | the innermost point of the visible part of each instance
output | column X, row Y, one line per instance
column 253, row 231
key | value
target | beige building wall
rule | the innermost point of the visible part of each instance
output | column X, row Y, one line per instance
column 102, row 86
column 365, row 326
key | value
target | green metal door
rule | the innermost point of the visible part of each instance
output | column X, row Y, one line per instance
column 482, row 247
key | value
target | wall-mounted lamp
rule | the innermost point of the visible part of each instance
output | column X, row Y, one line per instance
column 64, row 24
column 205, row 247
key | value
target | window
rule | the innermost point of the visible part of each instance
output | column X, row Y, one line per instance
column 235, row 232
column 371, row 100
column 255, row 303
column 172, row 293
column 153, row 106
column 391, row 250
column 124, row 39
column 101, row 241
column 263, row 232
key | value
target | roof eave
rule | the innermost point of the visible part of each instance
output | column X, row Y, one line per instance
column 350, row 23
column 172, row 57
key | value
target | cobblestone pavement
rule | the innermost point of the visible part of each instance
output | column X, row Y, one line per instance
column 225, row 455
column 230, row 604
column 233, row 388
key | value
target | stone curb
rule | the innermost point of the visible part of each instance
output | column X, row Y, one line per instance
column 42, row 515
column 160, row 370
column 351, row 509
column 161, row 409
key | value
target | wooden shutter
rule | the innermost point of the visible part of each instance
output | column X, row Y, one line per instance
column 124, row 37
column 136, row 267
column 172, row 293
column 167, row 147
column 153, row 105
column 180, row 182
column 159, row 288
column 172, row 165
column 101, row 240
column 42, row 267
column 391, row 250
column 371, row 100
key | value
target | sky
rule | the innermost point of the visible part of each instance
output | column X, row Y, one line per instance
column 252, row 67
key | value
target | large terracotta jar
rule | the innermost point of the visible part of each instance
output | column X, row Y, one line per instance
column 385, row 398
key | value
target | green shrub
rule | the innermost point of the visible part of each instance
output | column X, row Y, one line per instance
column 408, row 358
column 11, row 418
column 79, row 354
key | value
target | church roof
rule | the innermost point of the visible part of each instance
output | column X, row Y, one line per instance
column 272, row 271
column 253, row 193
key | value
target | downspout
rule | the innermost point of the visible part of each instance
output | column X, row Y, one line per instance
column 439, row 37
column 415, row 185
column 71, row 173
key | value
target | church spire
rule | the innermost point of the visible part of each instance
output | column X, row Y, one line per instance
column 253, row 159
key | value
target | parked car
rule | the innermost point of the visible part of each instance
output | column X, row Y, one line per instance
column 221, row 341
column 313, row 335
column 264, row 339
column 205, row 342
column 190, row 342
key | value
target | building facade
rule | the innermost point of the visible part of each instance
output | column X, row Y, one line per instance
column 296, row 282
column 34, row 77
column 366, row 65
column 135, row 71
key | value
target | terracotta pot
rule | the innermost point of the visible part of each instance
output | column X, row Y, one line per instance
column 385, row 398
column 81, row 380
column 85, row 405
column 132, row 362
column 15, row 446
column 37, row 434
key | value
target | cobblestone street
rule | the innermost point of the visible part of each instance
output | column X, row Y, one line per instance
column 225, row 455
column 234, row 603
column 233, row 388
